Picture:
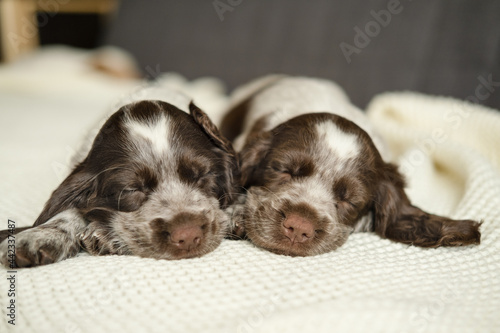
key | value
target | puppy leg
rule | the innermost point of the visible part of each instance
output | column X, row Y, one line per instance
column 4, row 234
column 45, row 244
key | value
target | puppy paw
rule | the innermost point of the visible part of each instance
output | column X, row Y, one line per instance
column 236, row 214
column 237, row 231
column 37, row 246
column 98, row 240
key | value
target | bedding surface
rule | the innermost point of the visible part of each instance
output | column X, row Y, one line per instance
column 447, row 148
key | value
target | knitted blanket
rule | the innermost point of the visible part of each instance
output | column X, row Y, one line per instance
column 447, row 148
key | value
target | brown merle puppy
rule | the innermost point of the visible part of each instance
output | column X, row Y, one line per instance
column 314, row 173
column 155, row 183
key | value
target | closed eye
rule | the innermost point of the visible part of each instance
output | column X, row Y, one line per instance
column 201, row 176
column 124, row 191
column 343, row 202
column 277, row 169
column 205, row 174
column 352, row 204
column 280, row 176
column 127, row 192
column 346, row 204
column 130, row 199
column 295, row 170
column 192, row 171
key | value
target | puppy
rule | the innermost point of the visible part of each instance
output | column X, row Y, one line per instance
column 314, row 173
column 155, row 183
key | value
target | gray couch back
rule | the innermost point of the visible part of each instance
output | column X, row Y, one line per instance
column 438, row 47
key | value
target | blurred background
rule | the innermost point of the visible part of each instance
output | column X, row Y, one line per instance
column 449, row 48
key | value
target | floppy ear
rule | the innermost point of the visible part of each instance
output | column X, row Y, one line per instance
column 254, row 151
column 230, row 180
column 397, row 219
column 74, row 192
column 209, row 127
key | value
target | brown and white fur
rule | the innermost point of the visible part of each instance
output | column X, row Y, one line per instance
column 156, row 182
column 314, row 172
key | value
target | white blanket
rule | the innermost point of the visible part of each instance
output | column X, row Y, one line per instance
column 368, row 285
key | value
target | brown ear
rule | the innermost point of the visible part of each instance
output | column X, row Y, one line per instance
column 397, row 219
column 230, row 180
column 209, row 127
column 254, row 151
column 74, row 192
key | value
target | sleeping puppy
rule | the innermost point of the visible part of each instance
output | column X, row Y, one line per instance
column 314, row 172
column 155, row 183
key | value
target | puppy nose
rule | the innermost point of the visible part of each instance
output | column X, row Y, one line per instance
column 186, row 237
column 297, row 228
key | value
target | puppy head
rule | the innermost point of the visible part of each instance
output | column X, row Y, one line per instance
column 157, row 179
column 315, row 178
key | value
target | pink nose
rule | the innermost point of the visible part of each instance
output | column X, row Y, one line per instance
column 297, row 228
column 186, row 237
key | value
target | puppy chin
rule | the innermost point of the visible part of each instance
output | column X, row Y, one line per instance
column 175, row 254
column 283, row 247
column 288, row 249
